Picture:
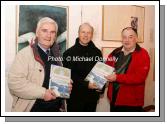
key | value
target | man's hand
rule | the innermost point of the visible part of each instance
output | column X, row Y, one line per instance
column 101, row 96
column 111, row 78
column 92, row 85
column 49, row 95
column 70, row 86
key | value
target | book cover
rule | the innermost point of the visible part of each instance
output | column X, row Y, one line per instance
column 59, row 80
column 96, row 75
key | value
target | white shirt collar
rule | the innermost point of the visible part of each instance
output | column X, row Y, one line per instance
column 43, row 48
column 127, row 52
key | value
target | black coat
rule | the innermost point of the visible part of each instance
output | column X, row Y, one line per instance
column 80, row 69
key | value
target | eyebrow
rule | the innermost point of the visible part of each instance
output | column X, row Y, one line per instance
column 131, row 35
column 44, row 29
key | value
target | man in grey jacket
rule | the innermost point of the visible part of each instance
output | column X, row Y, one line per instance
column 28, row 78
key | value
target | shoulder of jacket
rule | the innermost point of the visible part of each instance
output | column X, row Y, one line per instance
column 70, row 50
column 142, row 54
column 27, row 51
column 142, row 51
column 116, row 51
column 98, row 50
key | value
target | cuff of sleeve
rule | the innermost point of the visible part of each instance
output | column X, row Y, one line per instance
column 42, row 93
column 117, row 77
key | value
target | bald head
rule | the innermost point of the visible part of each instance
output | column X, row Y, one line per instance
column 86, row 25
column 130, row 28
column 85, row 33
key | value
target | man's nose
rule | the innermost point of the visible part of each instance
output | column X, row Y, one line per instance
column 126, row 39
column 48, row 34
column 86, row 34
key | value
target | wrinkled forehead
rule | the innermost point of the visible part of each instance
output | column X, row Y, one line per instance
column 47, row 25
column 85, row 27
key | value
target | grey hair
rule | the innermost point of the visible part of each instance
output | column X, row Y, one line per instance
column 86, row 23
column 46, row 20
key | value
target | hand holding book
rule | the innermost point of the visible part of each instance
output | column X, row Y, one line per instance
column 98, row 73
column 60, row 81
column 92, row 85
column 70, row 86
column 49, row 95
column 111, row 78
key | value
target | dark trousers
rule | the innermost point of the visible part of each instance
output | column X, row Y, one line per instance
column 81, row 106
column 44, row 109
column 47, row 106
column 126, row 108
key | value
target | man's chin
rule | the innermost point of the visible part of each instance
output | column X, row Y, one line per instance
column 86, row 42
column 126, row 48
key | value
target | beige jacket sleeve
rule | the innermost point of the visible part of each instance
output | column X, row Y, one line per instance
column 19, row 82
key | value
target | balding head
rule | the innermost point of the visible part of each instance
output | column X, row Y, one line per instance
column 130, row 28
column 85, row 33
column 129, row 38
column 86, row 24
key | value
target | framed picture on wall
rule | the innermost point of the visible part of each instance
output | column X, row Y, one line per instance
column 29, row 15
column 106, row 51
column 117, row 17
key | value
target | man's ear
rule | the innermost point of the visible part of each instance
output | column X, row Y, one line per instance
column 136, row 38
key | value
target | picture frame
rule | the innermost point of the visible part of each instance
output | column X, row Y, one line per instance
column 106, row 51
column 113, row 21
column 28, row 17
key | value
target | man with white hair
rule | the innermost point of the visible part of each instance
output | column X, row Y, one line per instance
column 28, row 78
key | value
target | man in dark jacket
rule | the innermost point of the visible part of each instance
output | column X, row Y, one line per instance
column 81, row 58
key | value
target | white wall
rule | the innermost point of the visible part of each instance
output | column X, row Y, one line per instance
column 74, row 22
column 10, row 47
column 78, row 15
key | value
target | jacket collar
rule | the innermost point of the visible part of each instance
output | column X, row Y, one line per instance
column 43, row 48
column 118, row 50
column 138, row 48
column 54, row 48
column 90, row 44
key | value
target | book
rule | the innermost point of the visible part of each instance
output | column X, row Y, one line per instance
column 96, row 75
column 59, row 81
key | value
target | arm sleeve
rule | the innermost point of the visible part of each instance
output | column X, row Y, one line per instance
column 139, row 74
column 18, row 82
